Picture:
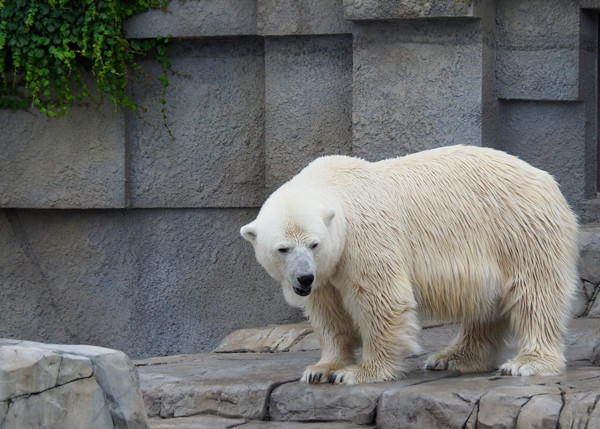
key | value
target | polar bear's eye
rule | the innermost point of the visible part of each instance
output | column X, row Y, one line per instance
column 314, row 245
column 283, row 249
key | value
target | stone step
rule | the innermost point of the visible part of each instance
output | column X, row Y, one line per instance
column 214, row 422
column 261, row 390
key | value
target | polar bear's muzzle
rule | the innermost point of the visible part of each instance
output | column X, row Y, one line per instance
column 301, row 270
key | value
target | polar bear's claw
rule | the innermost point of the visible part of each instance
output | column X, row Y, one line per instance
column 341, row 377
column 319, row 373
column 436, row 362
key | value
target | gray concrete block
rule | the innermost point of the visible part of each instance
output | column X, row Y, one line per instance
column 296, row 17
column 537, row 50
column 29, row 309
column 195, row 18
column 403, row 9
column 588, row 81
column 148, row 282
column 548, row 74
column 590, row 4
column 215, row 110
column 417, row 85
column 308, row 102
column 77, row 161
column 549, row 136
column 589, row 211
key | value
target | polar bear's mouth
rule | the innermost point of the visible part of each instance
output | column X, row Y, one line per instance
column 303, row 292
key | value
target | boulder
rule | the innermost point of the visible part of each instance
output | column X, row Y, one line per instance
column 270, row 339
column 68, row 386
column 589, row 253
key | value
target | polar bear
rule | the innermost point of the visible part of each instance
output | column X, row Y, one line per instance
column 463, row 233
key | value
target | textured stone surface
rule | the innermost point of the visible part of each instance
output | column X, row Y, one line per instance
column 264, row 340
column 403, row 9
column 303, row 425
column 353, row 404
column 589, row 253
column 227, row 385
column 196, row 18
column 492, row 402
column 308, row 102
column 589, row 211
column 416, row 86
column 587, row 299
column 148, row 282
column 195, row 422
column 254, row 386
column 538, row 50
column 77, row 161
column 549, row 136
column 202, row 18
column 53, row 385
column 215, row 110
column 306, row 344
column 294, row 17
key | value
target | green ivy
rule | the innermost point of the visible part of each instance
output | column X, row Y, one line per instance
column 46, row 44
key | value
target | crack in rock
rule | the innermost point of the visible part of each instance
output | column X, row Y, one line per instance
column 29, row 394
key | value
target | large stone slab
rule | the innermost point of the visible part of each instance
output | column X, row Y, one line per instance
column 308, row 102
column 303, row 425
column 214, row 108
column 407, row 9
column 549, row 136
column 416, row 86
column 264, row 340
column 199, row 18
column 538, row 50
column 494, row 401
column 76, row 161
column 352, row 404
column 295, row 17
column 167, row 278
column 68, row 386
column 227, row 385
column 195, row 422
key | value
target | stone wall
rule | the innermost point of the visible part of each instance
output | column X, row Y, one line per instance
column 116, row 234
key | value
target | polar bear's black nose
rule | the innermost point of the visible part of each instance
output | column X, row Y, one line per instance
column 306, row 280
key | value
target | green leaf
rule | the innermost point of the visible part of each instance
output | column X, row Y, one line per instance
column 43, row 43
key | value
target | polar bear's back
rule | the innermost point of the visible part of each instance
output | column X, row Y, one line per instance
column 464, row 223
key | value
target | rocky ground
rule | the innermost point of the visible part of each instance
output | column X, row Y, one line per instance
column 251, row 381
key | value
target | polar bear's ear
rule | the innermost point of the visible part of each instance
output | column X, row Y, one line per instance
column 328, row 217
column 249, row 232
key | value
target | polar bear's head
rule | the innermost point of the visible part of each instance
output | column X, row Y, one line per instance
column 298, row 240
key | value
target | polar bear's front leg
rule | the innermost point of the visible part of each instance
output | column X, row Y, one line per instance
column 389, row 329
column 336, row 333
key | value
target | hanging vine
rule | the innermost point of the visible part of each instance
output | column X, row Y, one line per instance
column 45, row 45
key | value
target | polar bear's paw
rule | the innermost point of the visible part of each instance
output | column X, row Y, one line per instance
column 357, row 374
column 448, row 361
column 526, row 365
column 438, row 362
column 318, row 373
